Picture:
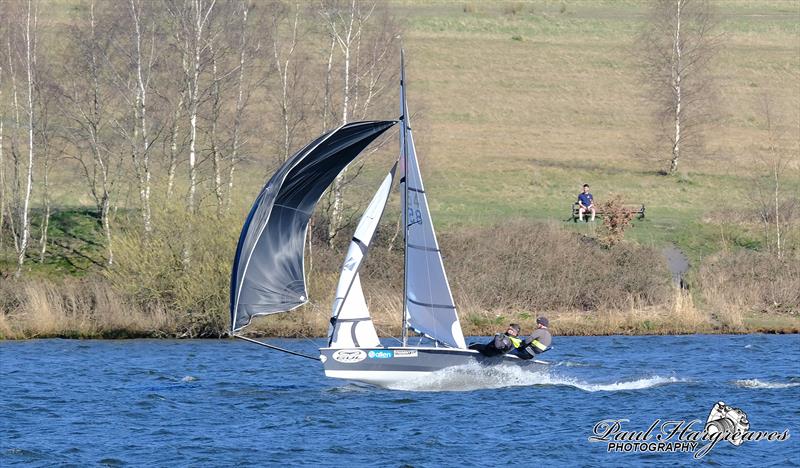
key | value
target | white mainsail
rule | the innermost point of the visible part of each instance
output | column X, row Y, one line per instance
column 353, row 327
column 429, row 306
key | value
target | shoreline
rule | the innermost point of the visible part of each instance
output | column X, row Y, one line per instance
column 778, row 325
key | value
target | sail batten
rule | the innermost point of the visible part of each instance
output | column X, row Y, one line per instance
column 268, row 273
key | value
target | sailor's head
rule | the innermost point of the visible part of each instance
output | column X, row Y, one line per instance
column 585, row 188
column 513, row 329
column 542, row 322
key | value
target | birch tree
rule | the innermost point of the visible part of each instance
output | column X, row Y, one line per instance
column 15, row 209
column 132, row 77
column 287, row 63
column 677, row 46
column 242, row 95
column 44, row 94
column 774, row 203
column 2, row 164
column 345, row 25
column 180, row 82
column 28, row 61
column 87, row 103
column 199, row 13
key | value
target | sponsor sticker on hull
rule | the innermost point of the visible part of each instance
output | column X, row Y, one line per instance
column 398, row 353
column 349, row 355
column 380, row 354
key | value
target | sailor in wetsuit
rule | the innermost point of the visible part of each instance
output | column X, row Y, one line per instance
column 501, row 343
column 538, row 342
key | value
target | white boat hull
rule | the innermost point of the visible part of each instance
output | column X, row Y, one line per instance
column 388, row 367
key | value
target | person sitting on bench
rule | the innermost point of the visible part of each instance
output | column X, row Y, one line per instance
column 586, row 202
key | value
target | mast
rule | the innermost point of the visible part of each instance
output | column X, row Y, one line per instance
column 404, row 146
column 428, row 303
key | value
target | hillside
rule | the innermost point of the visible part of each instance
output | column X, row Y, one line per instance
column 517, row 111
column 514, row 104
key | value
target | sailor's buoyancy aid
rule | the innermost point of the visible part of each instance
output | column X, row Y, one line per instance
column 537, row 346
column 534, row 347
column 505, row 343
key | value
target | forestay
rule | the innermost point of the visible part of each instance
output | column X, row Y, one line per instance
column 352, row 325
column 268, row 275
column 429, row 302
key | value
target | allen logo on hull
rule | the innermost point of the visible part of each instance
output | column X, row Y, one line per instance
column 380, row 354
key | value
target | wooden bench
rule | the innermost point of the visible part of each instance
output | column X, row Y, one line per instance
column 587, row 215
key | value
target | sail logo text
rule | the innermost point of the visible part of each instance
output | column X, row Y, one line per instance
column 349, row 355
column 379, row 354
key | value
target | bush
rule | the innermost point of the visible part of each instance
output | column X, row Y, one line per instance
column 534, row 266
column 746, row 281
column 616, row 219
column 183, row 266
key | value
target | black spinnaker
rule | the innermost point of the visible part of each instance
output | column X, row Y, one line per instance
column 268, row 275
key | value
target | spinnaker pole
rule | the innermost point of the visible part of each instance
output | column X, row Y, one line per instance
column 276, row 348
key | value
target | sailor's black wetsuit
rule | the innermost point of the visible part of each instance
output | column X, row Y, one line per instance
column 500, row 344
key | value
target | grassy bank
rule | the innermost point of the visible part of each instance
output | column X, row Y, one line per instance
column 52, row 310
column 516, row 104
column 511, row 273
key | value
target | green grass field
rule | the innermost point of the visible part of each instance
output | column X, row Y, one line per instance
column 513, row 112
column 517, row 104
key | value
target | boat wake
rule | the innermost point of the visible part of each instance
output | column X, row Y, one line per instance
column 477, row 377
column 755, row 383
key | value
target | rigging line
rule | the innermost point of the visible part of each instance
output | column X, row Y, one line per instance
column 276, row 348
column 386, row 334
column 293, row 209
column 315, row 308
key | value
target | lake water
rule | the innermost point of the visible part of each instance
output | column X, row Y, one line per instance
column 224, row 403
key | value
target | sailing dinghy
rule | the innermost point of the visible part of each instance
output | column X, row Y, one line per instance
column 268, row 275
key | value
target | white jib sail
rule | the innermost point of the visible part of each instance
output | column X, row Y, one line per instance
column 353, row 326
column 429, row 302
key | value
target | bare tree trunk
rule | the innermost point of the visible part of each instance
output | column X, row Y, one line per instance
column 142, row 159
column 237, row 119
column 29, row 47
column 200, row 16
column 326, row 108
column 774, row 209
column 44, row 148
column 104, row 217
column 216, row 102
column 282, row 65
column 15, row 212
column 90, row 122
column 776, row 169
column 46, row 203
column 2, row 167
column 345, row 41
column 777, row 181
column 173, row 144
column 677, row 72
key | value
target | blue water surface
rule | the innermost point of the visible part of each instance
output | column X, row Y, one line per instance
column 223, row 403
